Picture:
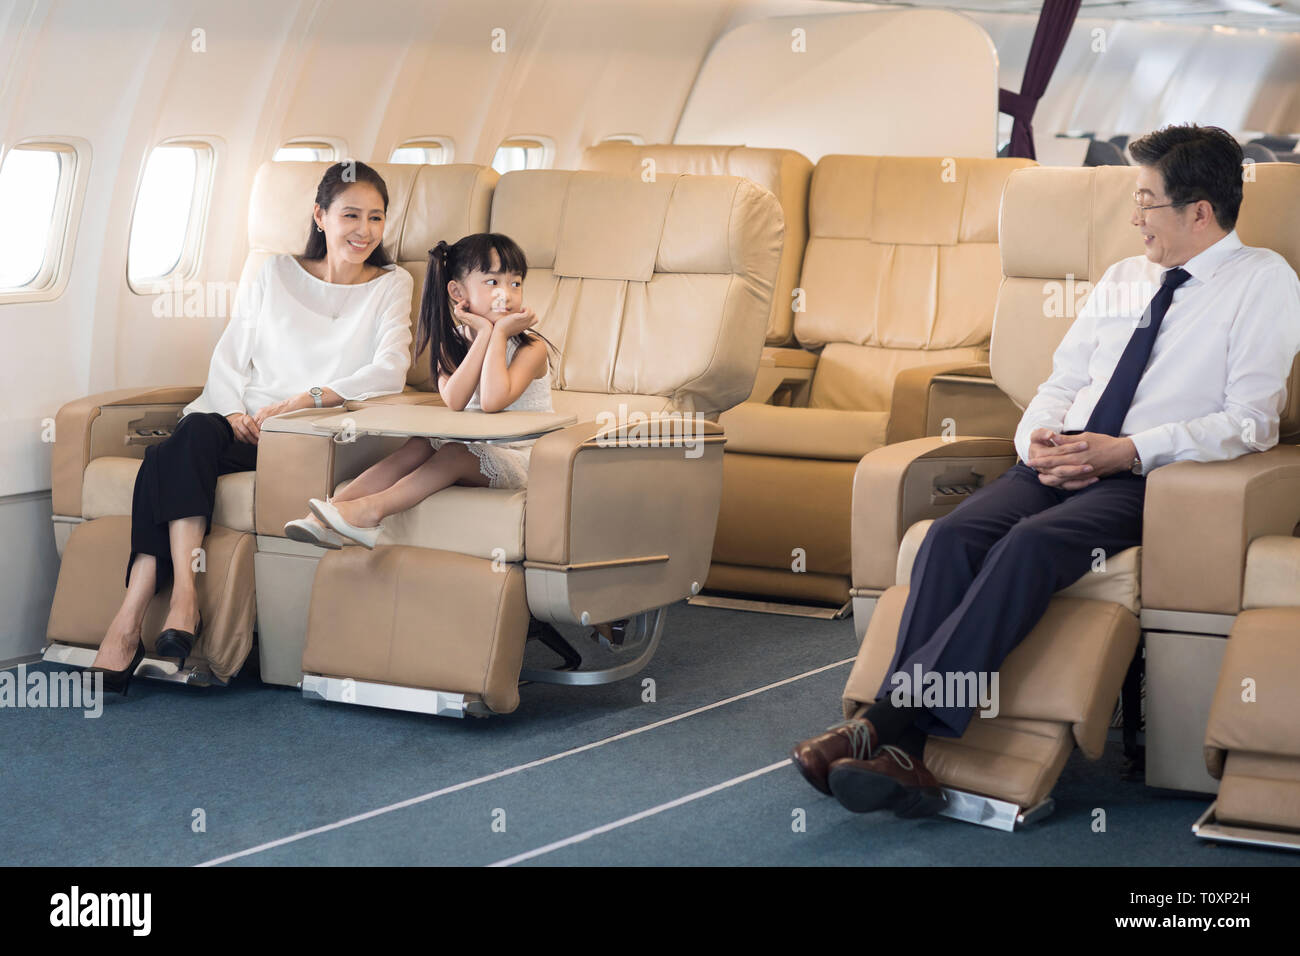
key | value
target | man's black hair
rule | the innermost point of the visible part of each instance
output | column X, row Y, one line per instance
column 1196, row 162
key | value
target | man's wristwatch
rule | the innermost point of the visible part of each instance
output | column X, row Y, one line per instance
column 1136, row 467
column 316, row 393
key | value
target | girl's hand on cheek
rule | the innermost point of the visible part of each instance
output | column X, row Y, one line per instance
column 517, row 322
column 470, row 319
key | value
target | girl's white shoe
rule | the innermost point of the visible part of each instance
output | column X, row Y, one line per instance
column 330, row 516
column 313, row 532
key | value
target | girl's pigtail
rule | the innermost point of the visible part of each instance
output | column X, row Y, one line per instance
column 435, row 328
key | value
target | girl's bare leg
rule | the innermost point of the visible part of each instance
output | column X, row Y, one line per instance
column 452, row 464
column 123, row 634
column 384, row 473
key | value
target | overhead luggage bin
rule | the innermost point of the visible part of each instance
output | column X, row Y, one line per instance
column 657, row 296
column 1202, row 523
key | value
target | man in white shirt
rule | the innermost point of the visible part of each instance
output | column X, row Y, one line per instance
column 1179, row 354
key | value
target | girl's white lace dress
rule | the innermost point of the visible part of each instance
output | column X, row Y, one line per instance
column 506, row 466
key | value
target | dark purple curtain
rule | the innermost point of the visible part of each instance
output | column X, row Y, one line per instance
column 1054, row 23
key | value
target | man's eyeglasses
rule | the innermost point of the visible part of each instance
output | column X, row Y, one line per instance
column 1142, row 209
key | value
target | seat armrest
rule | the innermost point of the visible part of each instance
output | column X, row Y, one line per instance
column 295, row 462
column 788, row 358
column 784, row 377
column 1199, row 519
column 901, row 484
column 909, row 404
column 84, row 431
column 620, row 519
column 827, row 434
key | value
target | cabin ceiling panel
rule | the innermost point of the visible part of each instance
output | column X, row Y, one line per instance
column 909, row 82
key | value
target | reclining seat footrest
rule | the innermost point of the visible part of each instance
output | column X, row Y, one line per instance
column 1002, row 769
column 415, row 628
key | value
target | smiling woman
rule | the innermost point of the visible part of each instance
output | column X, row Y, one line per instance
column 332, row 326
column 348, row 225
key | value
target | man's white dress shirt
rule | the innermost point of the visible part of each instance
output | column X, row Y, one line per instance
column 1215, row 385
column 290, row 331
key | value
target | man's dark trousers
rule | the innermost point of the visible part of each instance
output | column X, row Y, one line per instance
column 986, row 571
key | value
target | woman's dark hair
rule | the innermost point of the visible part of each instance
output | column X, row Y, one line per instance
column 336, row 179
column 437, row 326
column 1196, row 162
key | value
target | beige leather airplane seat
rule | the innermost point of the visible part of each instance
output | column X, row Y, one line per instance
column 657, row 296
column 99, row 448
column 1058, row 688
column 783, row 172
column 1251, row 742
column 896, row 293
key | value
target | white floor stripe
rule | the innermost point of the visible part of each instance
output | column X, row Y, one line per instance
column 465, row 785
column 605, row 828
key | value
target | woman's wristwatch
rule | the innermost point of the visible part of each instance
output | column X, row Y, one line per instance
column 315, row 393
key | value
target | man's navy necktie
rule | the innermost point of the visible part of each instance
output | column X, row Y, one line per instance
column 1112, row 407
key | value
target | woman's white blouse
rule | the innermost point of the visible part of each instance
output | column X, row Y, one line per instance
column 290, row 331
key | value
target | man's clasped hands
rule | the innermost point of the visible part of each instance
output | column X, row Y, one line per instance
column 1071, row 462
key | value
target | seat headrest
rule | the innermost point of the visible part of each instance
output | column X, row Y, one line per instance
column 908, row 200
column 902, row 252
column 770, row 168
column 447, row 202
column 648, row 288
column 783, row 172
column 601, row 226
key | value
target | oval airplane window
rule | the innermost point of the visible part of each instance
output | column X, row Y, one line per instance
column 523, row 152
column 427, row 151
column 170, row 211
column 315, row 149
column 162, row 213
column 29, row 187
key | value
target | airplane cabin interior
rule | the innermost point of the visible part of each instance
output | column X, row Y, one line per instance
column 582, row 505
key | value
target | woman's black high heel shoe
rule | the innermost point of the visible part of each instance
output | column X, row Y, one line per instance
column 121, row 680
column 177, row 643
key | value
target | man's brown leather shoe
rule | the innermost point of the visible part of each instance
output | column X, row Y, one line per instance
column 892, row 778
column 852, row 739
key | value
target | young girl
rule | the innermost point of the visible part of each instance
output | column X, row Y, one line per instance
column 483, row 357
